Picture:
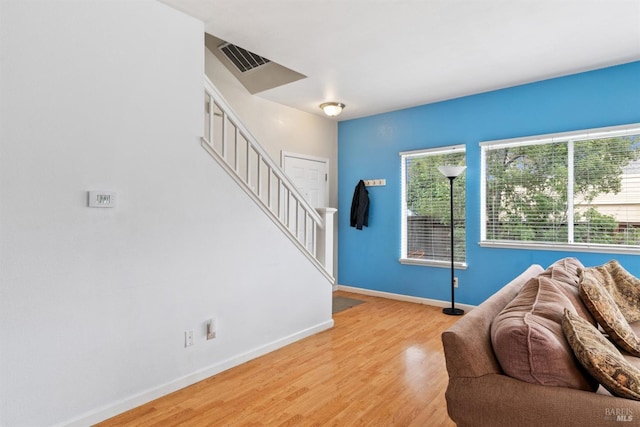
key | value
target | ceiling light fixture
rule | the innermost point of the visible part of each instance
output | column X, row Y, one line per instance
column 332, row 109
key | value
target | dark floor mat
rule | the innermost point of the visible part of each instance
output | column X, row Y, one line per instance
column 342, row 303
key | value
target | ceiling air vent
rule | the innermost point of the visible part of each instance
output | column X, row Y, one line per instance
column 242, row 58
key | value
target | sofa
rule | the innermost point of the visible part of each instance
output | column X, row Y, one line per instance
column 480, row 393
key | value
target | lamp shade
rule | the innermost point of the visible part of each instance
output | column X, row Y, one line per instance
column 332, row 109
column 451, row 171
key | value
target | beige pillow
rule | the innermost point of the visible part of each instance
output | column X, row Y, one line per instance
column 603, row 307
column 600, row 358
column 623, row 287
column 528, row 340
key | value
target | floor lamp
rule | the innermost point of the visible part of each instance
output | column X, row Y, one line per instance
column 452, row 172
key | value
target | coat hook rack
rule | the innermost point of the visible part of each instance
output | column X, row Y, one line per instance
column 375, row 182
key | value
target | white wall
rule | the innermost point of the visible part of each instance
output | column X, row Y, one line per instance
column 107, row 94
column 277, row 127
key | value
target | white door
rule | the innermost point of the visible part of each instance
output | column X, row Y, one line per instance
column 310, row 176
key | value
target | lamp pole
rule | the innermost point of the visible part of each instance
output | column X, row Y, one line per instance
column 452, row 172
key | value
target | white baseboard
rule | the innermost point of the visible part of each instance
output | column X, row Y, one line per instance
column 146, row 396
column 407, row 298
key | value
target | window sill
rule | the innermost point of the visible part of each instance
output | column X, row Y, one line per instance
column 432, row 263
column 565, row 247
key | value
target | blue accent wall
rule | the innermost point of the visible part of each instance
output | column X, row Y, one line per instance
column 368, row 149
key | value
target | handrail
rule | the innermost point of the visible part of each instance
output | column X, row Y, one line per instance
column 231, row 144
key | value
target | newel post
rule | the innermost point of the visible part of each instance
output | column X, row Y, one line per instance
column 325, row 239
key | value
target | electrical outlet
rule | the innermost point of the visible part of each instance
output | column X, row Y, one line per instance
column 188, row 338
column 211, row 328
column 455, row 282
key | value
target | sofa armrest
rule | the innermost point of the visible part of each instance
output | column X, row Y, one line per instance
column 498, row 400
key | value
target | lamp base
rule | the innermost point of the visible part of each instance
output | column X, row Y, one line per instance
column 451, row 311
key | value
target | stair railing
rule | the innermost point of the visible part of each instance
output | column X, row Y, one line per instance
column 243, row 158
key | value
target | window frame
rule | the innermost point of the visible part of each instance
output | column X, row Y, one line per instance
column 403, row 259
column 568, row 137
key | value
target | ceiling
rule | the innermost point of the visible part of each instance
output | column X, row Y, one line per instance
column 382, row 55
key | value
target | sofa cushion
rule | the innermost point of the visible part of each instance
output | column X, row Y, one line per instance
column 565, row 273
column 565, row 270
column 600, row 358
column 622, row 285
column 528, row 341
column 608, row 314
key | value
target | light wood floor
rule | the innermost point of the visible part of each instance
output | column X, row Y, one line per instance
column 381, row 365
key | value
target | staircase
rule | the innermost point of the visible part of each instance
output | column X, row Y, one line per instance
column 241, row 156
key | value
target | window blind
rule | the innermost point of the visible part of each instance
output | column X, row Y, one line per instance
column 576, row 188
column 425, row 206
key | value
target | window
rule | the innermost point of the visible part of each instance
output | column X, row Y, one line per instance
column 576, row 190
column 426, row 237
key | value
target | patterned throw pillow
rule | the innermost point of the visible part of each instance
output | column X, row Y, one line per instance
column 603, row 307
column 623, row 287
column 600, row 358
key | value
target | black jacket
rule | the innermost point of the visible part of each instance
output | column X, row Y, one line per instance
column 360, row 207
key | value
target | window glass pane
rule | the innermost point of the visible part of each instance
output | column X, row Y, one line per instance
column 526, row 196
column 607, row 191
column 427, row 210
